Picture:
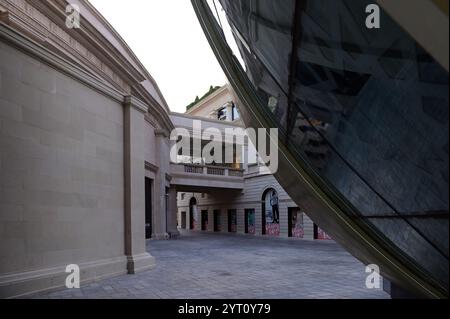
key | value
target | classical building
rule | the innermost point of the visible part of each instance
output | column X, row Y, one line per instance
column 260, row 207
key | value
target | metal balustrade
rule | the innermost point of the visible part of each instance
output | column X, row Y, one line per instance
column 214, row 171
column 193, row 169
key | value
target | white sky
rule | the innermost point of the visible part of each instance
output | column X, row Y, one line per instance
column 167, row 38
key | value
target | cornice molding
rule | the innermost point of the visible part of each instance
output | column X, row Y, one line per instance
column 42, row 21
column 151, row 120
column 35, row 50
column 149, row 166
column 157, row 111
column 162, row 132
column 95, row 47
column 135, row 103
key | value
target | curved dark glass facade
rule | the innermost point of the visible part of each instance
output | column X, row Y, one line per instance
column 366, row 110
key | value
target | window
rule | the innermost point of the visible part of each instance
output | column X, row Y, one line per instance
column 182, row 196
column 235, row 113
column 222, row 114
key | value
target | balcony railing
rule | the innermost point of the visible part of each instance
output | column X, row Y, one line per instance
column 194, row 169
column 213, row 170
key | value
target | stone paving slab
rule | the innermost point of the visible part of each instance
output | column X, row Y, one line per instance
column 205, row 265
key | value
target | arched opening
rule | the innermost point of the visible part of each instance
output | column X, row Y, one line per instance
column 192, row 212
column 270, row 213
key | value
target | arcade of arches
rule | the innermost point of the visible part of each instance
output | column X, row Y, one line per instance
column 272, row 215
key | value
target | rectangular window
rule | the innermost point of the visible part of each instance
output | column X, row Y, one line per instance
column 235, row 115
column 222, row 114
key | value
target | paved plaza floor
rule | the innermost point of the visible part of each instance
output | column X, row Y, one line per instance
column 232, row 266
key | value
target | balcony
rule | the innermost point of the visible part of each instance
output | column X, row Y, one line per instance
column 200, row 177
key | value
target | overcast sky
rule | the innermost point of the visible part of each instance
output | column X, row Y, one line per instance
column 166, row 37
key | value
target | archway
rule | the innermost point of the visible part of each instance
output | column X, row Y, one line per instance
column 192, row 212
column 270, row 213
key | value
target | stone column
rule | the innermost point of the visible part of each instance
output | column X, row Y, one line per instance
column 240, row 221
column 160, row 230
column 211, row 220
column 134, row 143
column 162, row 180
column 284, row 220
column 172, row 213
column 258, row 219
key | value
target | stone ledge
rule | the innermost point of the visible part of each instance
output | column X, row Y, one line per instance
column 160, row 236
column 27, row 283
column 140, row 263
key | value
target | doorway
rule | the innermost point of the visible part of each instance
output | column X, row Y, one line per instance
column 295, row 222
column 183, row 220
column 148, row 207
column 204, row 220
column 232, row 221
column 217, row 226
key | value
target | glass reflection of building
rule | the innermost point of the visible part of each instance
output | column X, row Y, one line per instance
column 366, row 109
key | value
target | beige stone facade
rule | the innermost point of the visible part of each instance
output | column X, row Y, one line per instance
column 79, row 118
